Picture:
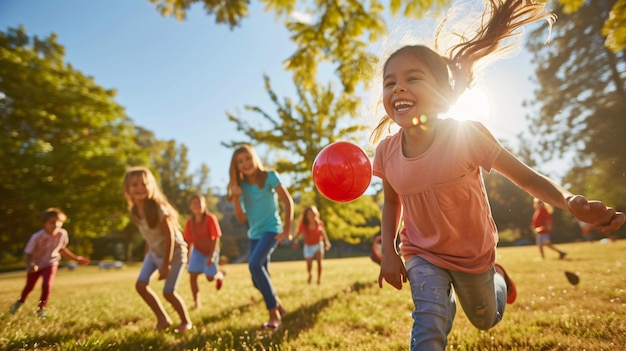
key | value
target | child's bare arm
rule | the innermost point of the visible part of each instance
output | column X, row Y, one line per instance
column 69, row 255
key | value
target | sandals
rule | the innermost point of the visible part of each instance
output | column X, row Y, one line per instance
column 183, row 328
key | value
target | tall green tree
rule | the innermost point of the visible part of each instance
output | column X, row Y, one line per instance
column 581, row 102
column 61, row 136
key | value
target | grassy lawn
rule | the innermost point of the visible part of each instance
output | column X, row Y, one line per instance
column 92, row 309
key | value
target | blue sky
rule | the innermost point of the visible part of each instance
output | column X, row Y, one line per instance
column 178, row 79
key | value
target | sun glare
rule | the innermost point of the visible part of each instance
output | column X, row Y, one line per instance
column 472, row 105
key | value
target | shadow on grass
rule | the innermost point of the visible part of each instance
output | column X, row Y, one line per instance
column 245, row 337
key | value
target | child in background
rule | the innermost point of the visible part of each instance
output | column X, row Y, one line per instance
column 166, row 250
column 542, row 225
column 254, row 193
column 42, row 255
column 202, row 233
column 315, row 240
column 431, row 174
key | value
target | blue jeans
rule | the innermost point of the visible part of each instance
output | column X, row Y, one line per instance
column 482, row 296
column 260, row 253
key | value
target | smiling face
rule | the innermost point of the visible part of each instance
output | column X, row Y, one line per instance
column 245, row 163
column 410, row 91
column 197, row 206
column 138, row 188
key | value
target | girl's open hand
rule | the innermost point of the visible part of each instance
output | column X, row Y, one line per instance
column 82, row 260
column 235, row 189
column 393, row 271
column 606, row 219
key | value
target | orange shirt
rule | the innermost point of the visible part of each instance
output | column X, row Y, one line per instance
column 200, row 234
column 312, row 236
column 542, row 219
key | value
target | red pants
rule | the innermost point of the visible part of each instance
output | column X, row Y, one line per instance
column 48, row 275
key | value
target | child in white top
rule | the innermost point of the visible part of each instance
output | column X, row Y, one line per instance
column 166, row 251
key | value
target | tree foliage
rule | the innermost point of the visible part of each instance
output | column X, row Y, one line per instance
column 581, row 102
column 61, row 136
column 614, row 28
column 65, row 142
column 333, row 31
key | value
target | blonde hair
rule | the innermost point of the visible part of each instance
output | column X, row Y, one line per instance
column 548, row 207
column 156, row 199
column 454, row 70
column 237, row 177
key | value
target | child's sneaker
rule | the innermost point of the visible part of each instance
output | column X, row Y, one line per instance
column 511, row 291
column 41, row 312
column 219, row 283
column 562, row 255
column 16, row 306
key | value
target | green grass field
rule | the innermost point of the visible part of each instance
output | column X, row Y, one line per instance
column 93, row 309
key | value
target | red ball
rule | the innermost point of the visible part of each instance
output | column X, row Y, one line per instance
column 342, row 171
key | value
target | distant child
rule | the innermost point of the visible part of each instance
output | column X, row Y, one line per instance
column 202, row 233
column 315, row 240
column 432, row 182
column 542, row 225
column 254, row 193
column 166, row 250
column 42, row 255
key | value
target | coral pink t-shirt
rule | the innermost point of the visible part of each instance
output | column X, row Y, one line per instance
column 446, row 213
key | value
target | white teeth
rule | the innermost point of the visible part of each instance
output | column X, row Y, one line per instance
column 402, row 104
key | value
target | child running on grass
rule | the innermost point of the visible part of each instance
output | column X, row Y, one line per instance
column 315, row 240
column 541, row 224
column 202, row 233
column 431, row 173
column 166, row 250
column 254, row 193
column 42, row 255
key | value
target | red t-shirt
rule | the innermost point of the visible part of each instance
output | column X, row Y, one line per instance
column 199, row 234
column 312, row 236
column 543, row 219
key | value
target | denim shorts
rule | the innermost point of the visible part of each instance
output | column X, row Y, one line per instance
column 310, row 250
column 152, row 263
column 197, row 263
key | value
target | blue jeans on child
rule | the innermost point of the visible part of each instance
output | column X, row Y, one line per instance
column 260, row 252
column 482, row 297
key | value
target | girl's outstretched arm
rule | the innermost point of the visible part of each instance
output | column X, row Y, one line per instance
column 68, row 254
column 546, row 190
column 392, row 269
column 285, row 197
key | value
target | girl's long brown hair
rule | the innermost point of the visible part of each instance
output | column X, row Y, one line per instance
column 155, row 199
column 304, row 220
column 454, row 70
